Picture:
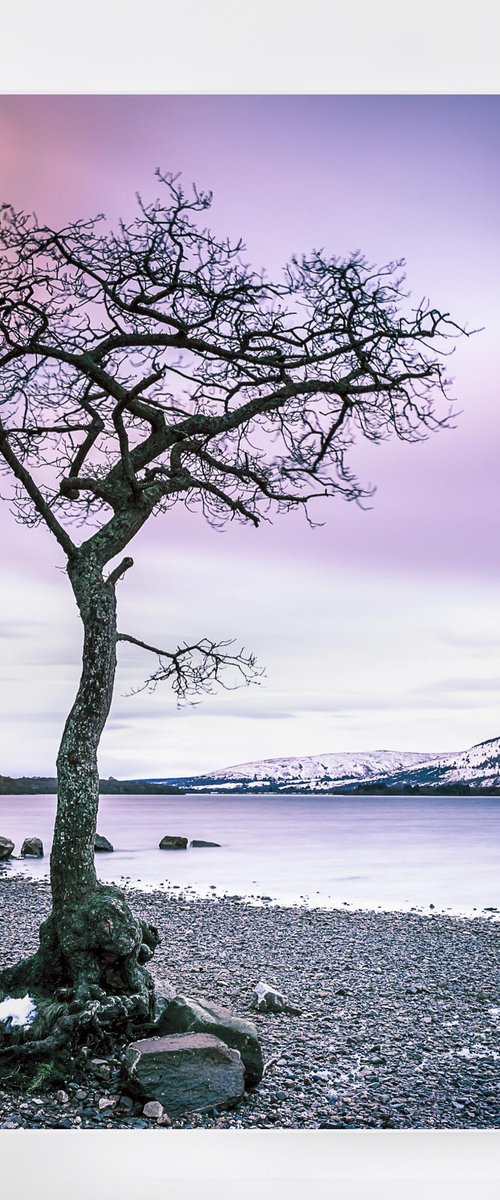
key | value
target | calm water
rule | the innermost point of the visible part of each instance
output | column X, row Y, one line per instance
column 368, row 851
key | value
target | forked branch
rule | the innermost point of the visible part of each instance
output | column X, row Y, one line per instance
column 196, row 669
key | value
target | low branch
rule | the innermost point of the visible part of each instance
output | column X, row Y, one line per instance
column 196, row 669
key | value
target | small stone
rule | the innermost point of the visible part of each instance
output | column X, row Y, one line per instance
column 267, row 999
column 105, row 1102
column 62, row 1097
column 172, row 842
column 100, row 1067
column 153, row 1110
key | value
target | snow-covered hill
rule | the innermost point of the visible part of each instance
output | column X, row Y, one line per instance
column 318, row 772
column 478, row 767
column 327, row 767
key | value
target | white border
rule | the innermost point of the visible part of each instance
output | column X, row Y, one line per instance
column 250, row 1165
column 201, row 46
column 273, row 46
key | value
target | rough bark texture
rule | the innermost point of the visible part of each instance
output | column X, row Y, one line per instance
column 92, row 949
column 72, row 868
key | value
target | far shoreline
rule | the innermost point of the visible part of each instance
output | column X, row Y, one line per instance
column 34, row 785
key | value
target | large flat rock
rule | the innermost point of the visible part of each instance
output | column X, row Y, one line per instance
column 187, row 1072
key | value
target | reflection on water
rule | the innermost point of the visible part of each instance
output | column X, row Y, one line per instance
column 367, row 850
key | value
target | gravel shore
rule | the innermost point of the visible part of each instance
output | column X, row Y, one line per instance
column 399, row 1024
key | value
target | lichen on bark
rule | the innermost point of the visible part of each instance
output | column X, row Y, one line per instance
column 92, row 951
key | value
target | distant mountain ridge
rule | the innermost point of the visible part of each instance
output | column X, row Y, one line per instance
column 478, row 767
column 394, row 770
column 319, row 771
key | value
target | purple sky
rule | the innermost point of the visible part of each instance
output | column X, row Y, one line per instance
column 379, row 630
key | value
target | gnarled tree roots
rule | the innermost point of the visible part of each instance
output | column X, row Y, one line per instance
column 87, row 978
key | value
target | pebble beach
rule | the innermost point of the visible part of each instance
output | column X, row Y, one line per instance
column 399, row 1021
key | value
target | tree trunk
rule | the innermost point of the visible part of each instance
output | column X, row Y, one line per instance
column 92, row 949
column 72, row 868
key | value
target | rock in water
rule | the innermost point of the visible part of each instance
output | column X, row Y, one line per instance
column 189, row 1072
column 101, row 844
column 173, row 843
column 32, row 848
column 6, row 847
column 198, row 843
column 181, row 1015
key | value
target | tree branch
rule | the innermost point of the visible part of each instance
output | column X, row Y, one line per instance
column 271, row 382
column 38, row 499
column 196, row 669
column 119, row 571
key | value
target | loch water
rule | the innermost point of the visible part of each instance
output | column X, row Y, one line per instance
column 428, row 852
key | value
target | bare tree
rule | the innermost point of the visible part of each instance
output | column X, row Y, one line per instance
column 148, row 367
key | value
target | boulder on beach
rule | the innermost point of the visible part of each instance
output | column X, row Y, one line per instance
column 267, row 999
column 198, row 843
column 183, row 1015
column 32, row 848
column 189, row 1072
column 101, row 844
column 170, row 842
column 161, row 1002
column 6, row 847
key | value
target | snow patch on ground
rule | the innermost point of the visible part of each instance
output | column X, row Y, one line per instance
column 19, row 1010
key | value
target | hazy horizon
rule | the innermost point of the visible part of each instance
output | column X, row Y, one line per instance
column 379, row 628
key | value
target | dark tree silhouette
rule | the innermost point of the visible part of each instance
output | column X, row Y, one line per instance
column 151, row 366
